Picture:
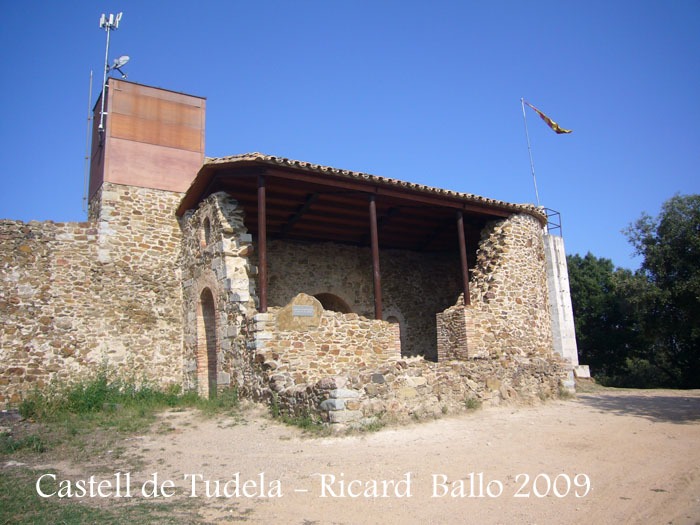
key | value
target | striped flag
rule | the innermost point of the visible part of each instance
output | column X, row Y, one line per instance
column 555, row 127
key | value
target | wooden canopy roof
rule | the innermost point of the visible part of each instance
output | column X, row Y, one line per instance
column 308, row 202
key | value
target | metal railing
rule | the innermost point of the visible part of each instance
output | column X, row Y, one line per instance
column 553, row 222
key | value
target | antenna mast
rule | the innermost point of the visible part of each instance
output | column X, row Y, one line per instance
column 108, row 24
column 87, row 145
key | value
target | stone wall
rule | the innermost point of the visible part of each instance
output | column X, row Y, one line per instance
column 334, row 369
column 454, row 330
column 302, row 343
column 77, row 295
column 347, row 370
column 176, row 303
column 416, row 388
column 509, row 296
column 214, row 256
column 415, row 286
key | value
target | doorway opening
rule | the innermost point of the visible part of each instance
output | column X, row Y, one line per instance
column 206, row 345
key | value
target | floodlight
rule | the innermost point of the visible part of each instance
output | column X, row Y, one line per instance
column 119, row 62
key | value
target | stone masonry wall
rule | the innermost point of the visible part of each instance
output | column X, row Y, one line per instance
column 74, row 296
column 302, row 343
column 509, row 312
column 413, row 388
column 454, row 326
column 215, row 255
column 509, row 297
column 346, row 370
column 415, row 286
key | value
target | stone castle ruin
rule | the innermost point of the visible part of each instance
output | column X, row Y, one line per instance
column 337, row 293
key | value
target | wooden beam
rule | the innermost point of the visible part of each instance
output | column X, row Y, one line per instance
column 405, row 194
column 375, row 257
column 262, row 245
column 310, row 199
column 435, row 234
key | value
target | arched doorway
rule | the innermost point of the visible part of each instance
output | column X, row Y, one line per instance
column 333, row 303
column 206, row 345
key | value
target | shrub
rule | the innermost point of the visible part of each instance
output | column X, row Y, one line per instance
column 472, row 403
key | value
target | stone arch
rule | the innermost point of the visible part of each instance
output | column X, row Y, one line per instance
column 334, row 303
column 206, row 344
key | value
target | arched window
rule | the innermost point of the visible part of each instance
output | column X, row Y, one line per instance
column 206, row 345
column 333, row 303
column 205, row 236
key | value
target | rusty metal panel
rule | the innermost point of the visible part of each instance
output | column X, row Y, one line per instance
column 155, row 132
column 151, row 108
column 153, row 138
column 160, row 93
column 152, row 166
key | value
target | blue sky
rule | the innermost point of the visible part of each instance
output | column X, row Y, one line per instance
column 427, row 92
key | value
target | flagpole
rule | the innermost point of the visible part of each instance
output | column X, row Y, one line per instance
column 529, row 150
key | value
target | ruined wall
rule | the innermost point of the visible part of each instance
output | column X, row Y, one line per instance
column 346, row 370
column 413, row 388
column 214, row 255
column 509, row 296
column 302, row 343
column 127, row 286
column 454, row 328
column 77, row 295
column 415, row 286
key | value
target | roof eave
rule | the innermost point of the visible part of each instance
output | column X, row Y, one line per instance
column 206, row 174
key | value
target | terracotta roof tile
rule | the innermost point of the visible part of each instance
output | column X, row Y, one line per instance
column 273, row 160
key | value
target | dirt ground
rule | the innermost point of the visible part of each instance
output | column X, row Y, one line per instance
column 639, row 451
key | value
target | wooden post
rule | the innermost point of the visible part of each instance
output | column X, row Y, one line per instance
column 374, row 236
column 463, row 257
column 262, row 245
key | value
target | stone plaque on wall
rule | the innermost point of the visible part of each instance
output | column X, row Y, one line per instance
column 302, row 313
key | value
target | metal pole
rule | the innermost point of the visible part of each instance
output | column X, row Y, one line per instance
column 529, row 150
column 463, row 257
column 374, row 235
column 104, row 80
column 87, row 146
column 262, row 244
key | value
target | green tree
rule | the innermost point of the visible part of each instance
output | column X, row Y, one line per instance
column 670, row 245
column 607, row 320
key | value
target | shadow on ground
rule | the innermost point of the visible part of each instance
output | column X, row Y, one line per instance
column 653, row 406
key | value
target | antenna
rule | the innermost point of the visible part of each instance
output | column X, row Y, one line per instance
column 109, row 23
